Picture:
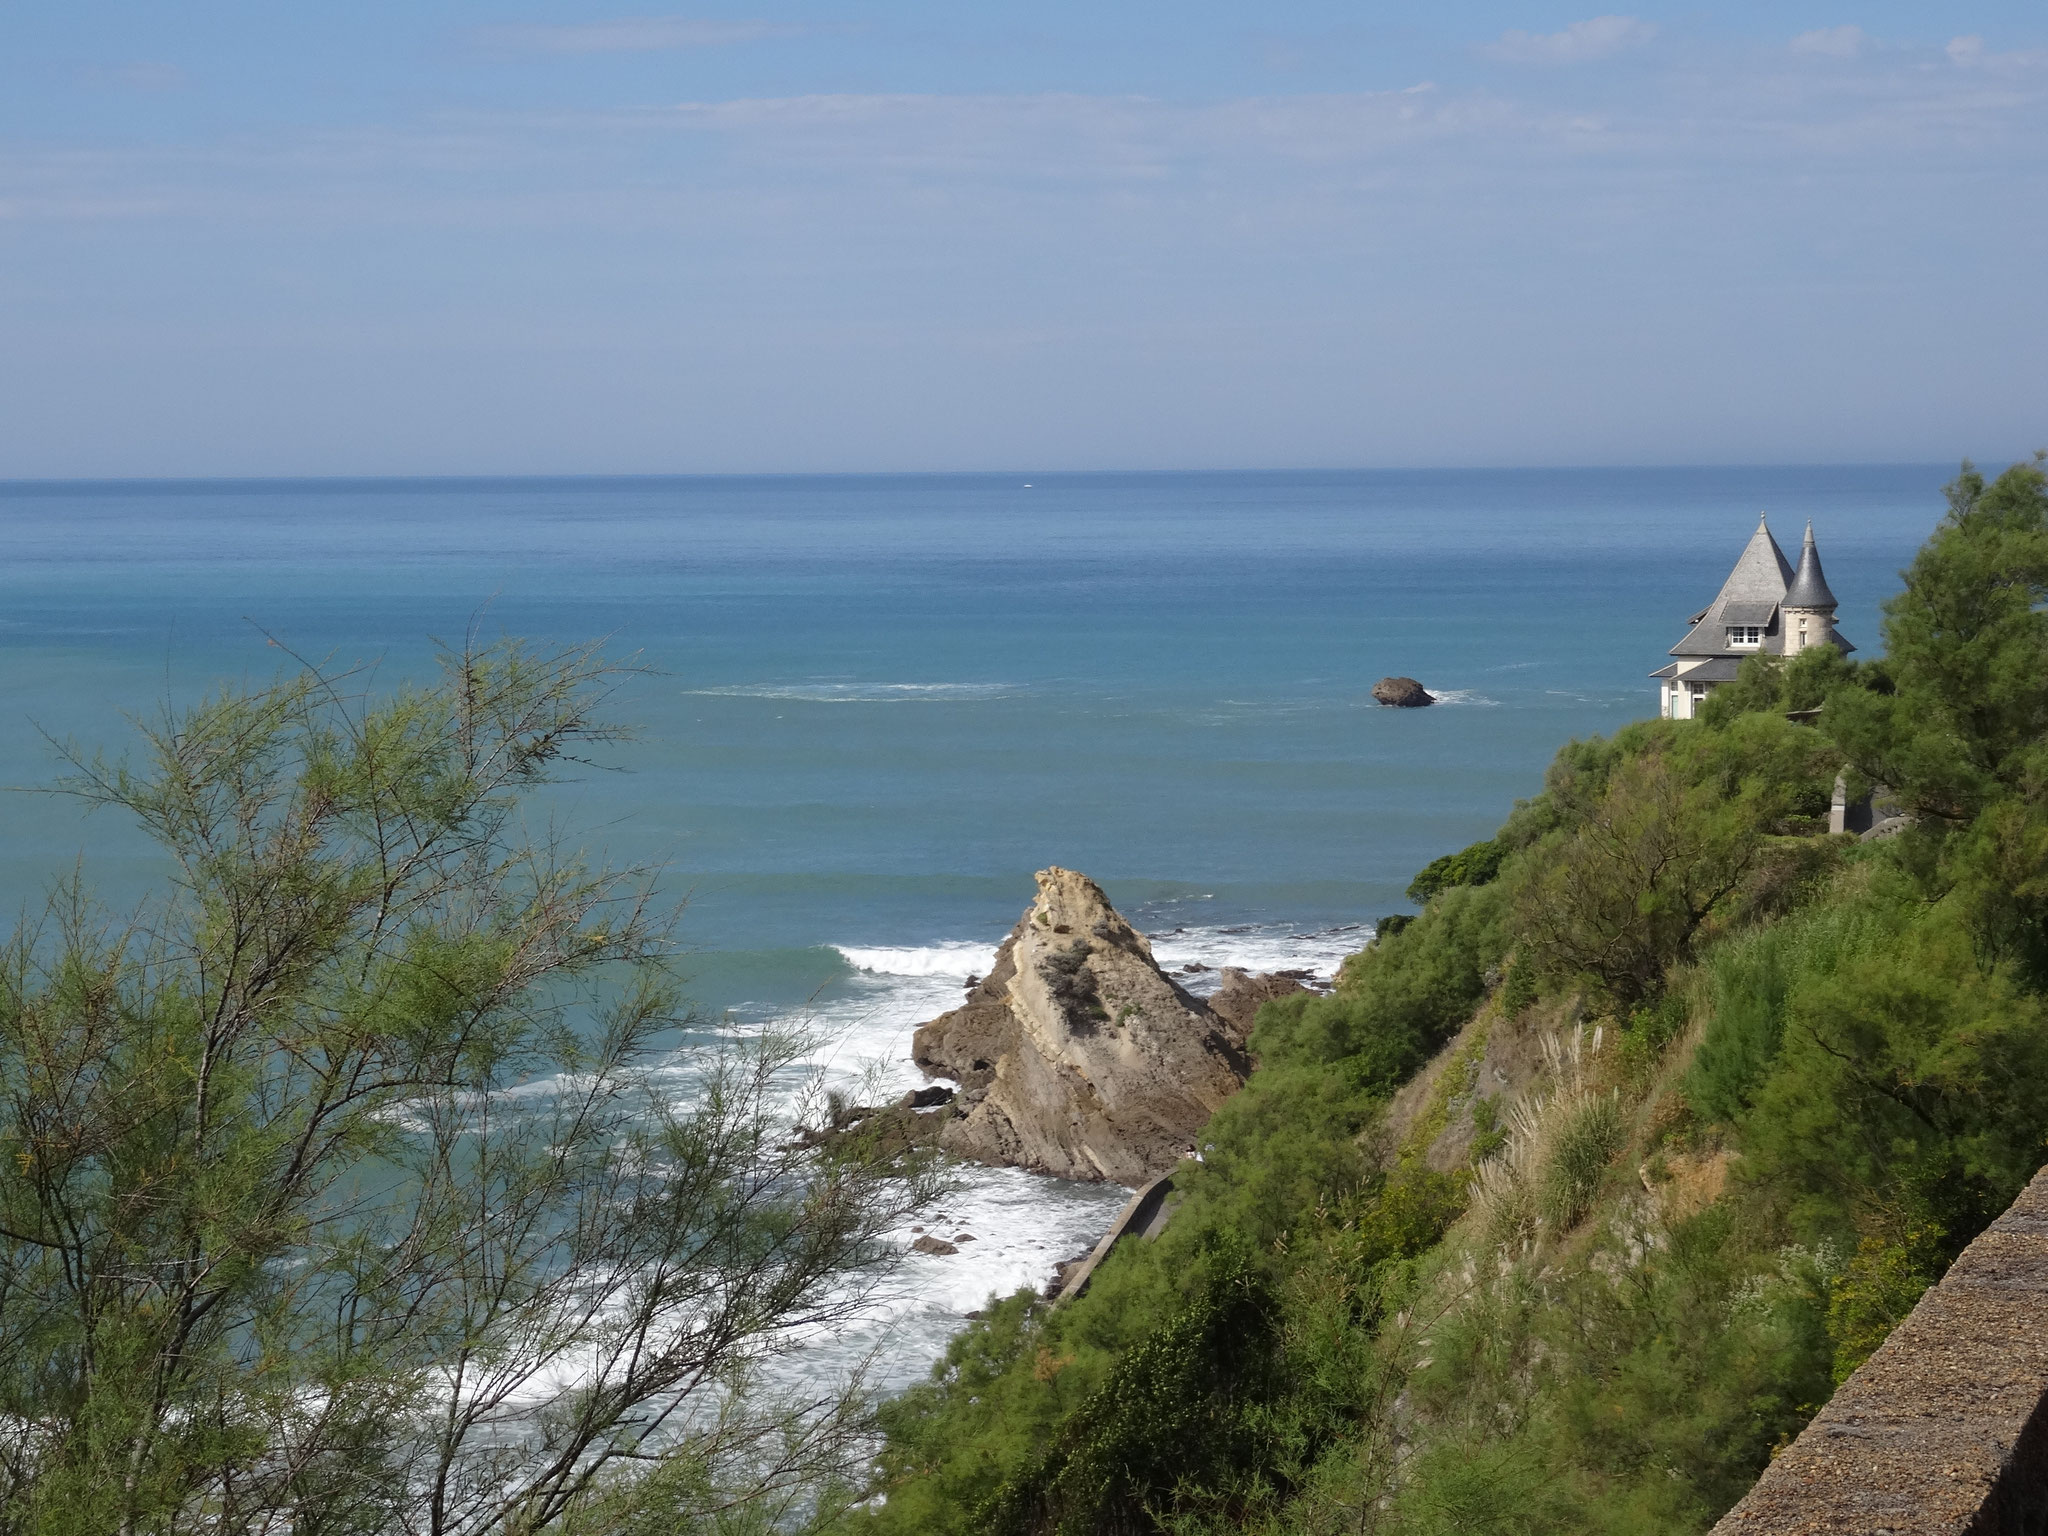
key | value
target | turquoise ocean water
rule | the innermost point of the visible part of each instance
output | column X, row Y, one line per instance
column 879, row 703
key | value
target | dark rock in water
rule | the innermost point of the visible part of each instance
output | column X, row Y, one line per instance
column 934, row 1245
column 927, row 1098
column 1237, row 1001
column 1401, row 692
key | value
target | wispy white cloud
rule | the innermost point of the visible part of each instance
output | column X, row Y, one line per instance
column 1744, row 124
column 1845, row 42
column 1596, row 38
column 634, row 34
column 1971, row 52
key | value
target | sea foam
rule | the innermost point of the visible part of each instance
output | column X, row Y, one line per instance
column 1255, row 947
column 1462, row 696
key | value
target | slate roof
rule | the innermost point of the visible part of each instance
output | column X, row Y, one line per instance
column 1757, row 584
column 1755, row 615
column 1721, row 669
column 1809, row 587
column 1762, row 582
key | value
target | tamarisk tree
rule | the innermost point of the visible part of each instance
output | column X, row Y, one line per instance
column 355, row 1182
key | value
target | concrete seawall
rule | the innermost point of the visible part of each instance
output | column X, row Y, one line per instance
column 1143, row 1215
column 1944, row 1431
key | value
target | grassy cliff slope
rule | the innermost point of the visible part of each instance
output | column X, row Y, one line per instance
column 1583, row 1189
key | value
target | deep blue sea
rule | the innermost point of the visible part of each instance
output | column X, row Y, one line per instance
column 878, row 703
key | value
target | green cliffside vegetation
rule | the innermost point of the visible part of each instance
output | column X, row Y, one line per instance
column 1582, row 1190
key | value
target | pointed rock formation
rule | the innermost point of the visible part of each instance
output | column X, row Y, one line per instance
column 1078, row 1056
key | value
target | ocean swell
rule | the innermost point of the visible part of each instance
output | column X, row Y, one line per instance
column 858, row 693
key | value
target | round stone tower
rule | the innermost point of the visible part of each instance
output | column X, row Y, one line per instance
column 1808, row 607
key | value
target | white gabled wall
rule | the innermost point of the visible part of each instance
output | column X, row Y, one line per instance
column 1676, row 699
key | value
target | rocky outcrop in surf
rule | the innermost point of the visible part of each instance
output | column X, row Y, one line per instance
column 1077, row 1055
column 1402, row 693
column 1236, row 1001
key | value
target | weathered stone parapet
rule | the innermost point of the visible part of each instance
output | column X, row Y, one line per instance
column 1945, row 1429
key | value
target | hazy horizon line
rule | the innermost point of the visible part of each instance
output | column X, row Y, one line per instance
column 581, row 477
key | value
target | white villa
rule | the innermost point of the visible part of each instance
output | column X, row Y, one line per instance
column 1764, row 605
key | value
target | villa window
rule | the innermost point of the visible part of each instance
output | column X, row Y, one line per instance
column 1741, row 635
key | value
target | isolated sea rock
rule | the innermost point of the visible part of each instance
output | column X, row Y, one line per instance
column 1078, row 1056
column 1401, row 692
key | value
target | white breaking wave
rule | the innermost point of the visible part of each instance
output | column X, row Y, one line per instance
column 859, row 693
column 1255, row 947
column 1010, row 1227
column 958, row 958
column 1248, row 946
column 1461, row 696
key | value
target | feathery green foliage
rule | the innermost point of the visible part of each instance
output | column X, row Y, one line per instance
column 1468, row 866
column 338, row 1192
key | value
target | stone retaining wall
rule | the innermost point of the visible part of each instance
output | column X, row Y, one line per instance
column 1944, row 1431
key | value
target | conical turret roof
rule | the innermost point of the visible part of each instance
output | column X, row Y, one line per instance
column 1809, row 587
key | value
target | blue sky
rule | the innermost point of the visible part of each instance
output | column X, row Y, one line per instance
column 578, row 238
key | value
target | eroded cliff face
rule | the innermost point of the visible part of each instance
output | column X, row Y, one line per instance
column 1078, row 1056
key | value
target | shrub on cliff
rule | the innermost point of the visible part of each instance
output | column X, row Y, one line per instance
column 1961, row 740
column 1473, row 865
column 1770, row 684
column 1909, row 1079
column 1663, row 845
column 1290, row 1138
column 1966, row 648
